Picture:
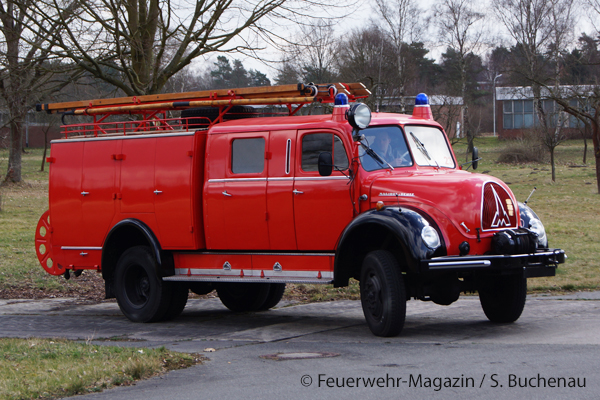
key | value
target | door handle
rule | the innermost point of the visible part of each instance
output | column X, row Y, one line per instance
column 85, row 193
column 157, row 191
column 297, row 192
column 226, row 194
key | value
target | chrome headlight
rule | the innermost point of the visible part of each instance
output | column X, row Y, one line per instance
column 430, row 237
column 537, row 227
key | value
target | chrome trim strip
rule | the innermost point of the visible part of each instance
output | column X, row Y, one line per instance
column 321, row 178
column 122, row 137
column 453, row 264
column 238, row 180
column 288, row 152
column 305, row 178
column 80, row 248
column 280, row 179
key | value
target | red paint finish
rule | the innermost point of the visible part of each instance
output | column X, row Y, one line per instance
column 322, row 205
column 65, row 195
column 280, row 186
column 137, row 175
column 99, row 181
column 173, row 193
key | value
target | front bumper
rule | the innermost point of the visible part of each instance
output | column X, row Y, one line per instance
column 541, row 263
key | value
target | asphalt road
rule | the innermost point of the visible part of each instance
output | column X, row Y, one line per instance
column 551, row 352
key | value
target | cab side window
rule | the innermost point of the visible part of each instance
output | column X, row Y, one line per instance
column 248, row 156
column 314, row 144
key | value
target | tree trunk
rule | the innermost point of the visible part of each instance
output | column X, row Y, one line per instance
column 596, row 141
column 552, row 164
column 584, row 150
column 13, row 173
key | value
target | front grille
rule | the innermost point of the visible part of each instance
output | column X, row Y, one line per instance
column 498, row 208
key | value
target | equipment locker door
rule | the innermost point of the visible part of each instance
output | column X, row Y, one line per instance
column 322, row 204
column 173, row 192
column 98, row 187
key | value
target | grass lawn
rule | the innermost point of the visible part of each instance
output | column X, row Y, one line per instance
column 568, row 207
column 54, row 368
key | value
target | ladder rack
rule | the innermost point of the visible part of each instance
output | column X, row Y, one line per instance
column 263, row 95
column 153, row 108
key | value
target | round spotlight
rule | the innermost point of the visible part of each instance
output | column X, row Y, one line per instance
column 359, row 116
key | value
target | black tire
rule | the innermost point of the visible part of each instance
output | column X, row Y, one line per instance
column 209, row 114
column 240, row 297
column 503, row 297
column 142, row 296
column 201, row 288
column 179, row 298
column 382, row 293
column 276, row 291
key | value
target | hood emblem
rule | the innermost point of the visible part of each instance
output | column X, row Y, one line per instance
column 501, row 217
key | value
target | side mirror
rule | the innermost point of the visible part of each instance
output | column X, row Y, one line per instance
column 325, row 163
column 476, row 158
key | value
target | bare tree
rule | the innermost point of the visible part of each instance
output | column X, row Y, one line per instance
column 369, row 56
column 24, row 62
column 314, row 53
column 540, row 28
column 138, row 45
column 561, row 30
column 460, row 27
column 402, row 24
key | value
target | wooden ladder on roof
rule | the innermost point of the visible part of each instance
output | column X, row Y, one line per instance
column 289, row 95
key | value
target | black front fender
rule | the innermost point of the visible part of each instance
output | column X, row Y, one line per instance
column 374, row 230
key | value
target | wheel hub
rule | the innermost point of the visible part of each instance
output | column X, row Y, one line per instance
column 372, row 296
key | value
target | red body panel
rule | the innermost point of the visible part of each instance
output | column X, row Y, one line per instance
column 183, row 187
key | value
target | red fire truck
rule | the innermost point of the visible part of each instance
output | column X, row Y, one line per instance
column 224, row 198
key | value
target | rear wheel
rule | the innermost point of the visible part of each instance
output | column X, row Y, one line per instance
column 201, row 288
column 179, row 298
column 142, row 296
column 503, row 297
column 241, row 297
column 274, row 297
column 382, row 293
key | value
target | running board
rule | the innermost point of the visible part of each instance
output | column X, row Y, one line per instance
column 184, row 278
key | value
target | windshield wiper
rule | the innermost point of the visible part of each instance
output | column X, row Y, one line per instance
column 421, row 147
column 376, row 156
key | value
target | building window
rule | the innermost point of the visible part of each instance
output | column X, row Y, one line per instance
column 575, row 122
column 518, row 114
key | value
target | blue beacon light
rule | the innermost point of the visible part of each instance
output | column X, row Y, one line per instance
column 341, row 100
column 421, row 100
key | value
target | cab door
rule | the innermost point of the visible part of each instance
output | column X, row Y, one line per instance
column 322, row 204
column 244, row 198
column 280, row 186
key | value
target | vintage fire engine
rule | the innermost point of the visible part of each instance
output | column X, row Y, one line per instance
column 223, row 198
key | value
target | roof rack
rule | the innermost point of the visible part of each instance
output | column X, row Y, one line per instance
column 153, row 108
column 262, row 95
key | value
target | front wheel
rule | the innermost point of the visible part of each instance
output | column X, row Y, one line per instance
column 382, row 293
column 503, row 297
column 142, row 296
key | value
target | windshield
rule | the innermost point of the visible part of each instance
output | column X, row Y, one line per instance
column 429, row 147
column 389, row 144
